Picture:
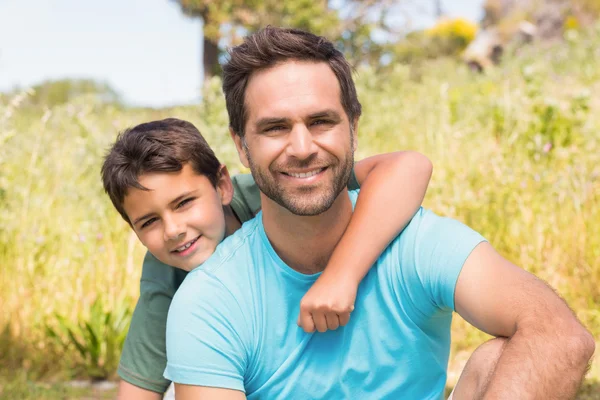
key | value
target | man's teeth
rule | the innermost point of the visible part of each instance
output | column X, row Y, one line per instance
column 305, row 174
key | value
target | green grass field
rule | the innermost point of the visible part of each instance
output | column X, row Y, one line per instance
column 516, row 156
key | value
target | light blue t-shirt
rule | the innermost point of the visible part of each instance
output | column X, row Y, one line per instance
column 232, row 323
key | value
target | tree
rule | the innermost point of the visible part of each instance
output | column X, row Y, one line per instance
column 350, row 25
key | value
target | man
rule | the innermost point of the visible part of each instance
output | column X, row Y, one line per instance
column 231, row 331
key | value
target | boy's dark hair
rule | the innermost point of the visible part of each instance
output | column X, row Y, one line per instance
column 270, row 46
column 157, row 146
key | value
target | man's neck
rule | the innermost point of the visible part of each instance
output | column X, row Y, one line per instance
column 306, row 243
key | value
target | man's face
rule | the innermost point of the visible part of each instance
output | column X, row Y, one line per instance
column 298, row 142
column 180, row 219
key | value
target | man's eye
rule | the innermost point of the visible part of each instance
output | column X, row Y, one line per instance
column 321, row 122
column 184, row 202
column 274, row 128
column 148, row 223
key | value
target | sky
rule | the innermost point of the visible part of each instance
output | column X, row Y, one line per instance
column 147, row 50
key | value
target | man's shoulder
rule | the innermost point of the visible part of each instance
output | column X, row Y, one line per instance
column 427, row 227
column 225, row 269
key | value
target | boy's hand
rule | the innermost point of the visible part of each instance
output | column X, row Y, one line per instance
column 328, row 303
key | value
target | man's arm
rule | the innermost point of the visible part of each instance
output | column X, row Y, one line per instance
column 548, row 350
column 392, row 189
column 188, row 392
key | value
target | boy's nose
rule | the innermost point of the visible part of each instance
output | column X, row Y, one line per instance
column 173, row 229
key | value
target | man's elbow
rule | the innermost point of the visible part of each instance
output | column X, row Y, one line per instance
column 578, row 343
column 587, row 345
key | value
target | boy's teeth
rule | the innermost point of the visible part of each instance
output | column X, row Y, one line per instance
column 305, row 174
column 186, row 246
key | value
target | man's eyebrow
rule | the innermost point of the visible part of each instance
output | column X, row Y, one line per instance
column 175, row 200
column 261, row 123
column 270, row 121
column 325, row 113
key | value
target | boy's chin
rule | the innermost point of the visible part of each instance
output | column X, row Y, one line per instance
column 188, row 265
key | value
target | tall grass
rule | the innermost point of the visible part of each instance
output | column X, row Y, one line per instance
column 516, row 154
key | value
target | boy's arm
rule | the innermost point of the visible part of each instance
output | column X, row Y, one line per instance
column 128, row 391
column 144, row 358
column 393, row 186
column 189, row 392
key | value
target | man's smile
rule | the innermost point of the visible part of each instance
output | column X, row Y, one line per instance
column 304, row 174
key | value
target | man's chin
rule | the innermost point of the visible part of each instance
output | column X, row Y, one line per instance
column 306, row 206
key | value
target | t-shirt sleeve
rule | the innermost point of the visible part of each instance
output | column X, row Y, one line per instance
column 353, row 181
column 206, row 345
column 437, row 250
column 246, row 197
column 144, row 357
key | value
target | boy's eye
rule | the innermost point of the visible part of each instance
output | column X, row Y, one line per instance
column 148, row 223
column 184, row 202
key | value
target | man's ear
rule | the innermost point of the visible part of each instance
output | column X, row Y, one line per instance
column 225, row 186
column 355, row 134
column 239, row 145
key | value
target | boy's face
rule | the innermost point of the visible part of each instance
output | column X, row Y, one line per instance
column 180, row 218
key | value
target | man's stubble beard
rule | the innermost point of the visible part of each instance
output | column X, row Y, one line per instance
column 307, row 204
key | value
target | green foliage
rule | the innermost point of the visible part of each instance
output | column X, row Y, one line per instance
column 18, row 386
column 56, row 92
column 225, row 22
column 98, row 339
column 251, row 15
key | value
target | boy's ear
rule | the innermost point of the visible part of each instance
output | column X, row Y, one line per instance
column 225, row 186
column 239, row 145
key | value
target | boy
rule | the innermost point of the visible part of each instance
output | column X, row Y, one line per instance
column 165, row 181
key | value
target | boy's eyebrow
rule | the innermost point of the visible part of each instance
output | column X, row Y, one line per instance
column 180, row 197
column 175, row 200
column 143, row 217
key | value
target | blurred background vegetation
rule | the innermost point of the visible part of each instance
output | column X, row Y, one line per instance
column 516, row 153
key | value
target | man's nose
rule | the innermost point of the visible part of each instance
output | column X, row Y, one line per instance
column 301, row 144
column 173, row 228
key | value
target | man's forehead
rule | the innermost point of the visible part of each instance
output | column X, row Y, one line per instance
column 292, row 87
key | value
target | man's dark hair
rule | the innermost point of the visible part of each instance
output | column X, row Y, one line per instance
column 271, row 46
column 157, row 146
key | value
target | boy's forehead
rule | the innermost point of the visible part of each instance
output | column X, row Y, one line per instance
column 293, row 88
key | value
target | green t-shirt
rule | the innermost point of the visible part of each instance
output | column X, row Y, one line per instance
column 144, row 354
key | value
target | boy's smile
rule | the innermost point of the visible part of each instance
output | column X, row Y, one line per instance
column 180, row 218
